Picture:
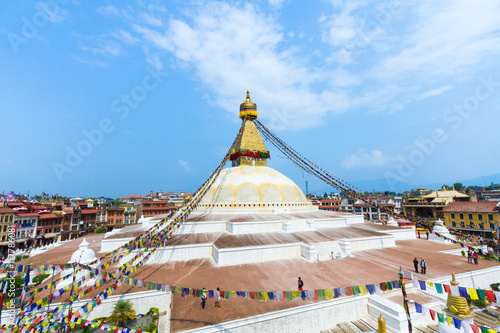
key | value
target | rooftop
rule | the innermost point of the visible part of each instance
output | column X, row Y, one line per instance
column 474, row 207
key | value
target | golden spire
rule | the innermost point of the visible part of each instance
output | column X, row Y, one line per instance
column 250, row 150
column 381, row 325
column 457, row 305
column 248, row 108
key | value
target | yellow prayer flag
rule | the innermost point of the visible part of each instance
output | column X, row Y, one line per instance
column 363, row 290
column 449, row 319
column 264, row 295
column 233, row 293
column 472, row 293
column 329, row 293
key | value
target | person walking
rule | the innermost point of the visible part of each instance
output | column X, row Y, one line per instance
column 415, row 264
column 301, row 284
column 419, row 234
column 203, row 298
column 476, row 257
column 427, row 233
column 423, row 266
column 217, row 298
column 469, row 256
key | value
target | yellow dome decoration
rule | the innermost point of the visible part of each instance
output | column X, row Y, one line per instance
column 248, row 108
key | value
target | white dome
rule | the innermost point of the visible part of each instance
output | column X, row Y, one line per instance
column 253, row 188
column 84, row 255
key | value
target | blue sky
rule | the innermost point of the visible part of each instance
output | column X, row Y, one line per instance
column 115, row 99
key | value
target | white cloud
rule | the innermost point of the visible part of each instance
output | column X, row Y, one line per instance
column 151, row 20
column 435, row 92
column 184, row 165
column 125, row 37
column 103, row 47
column 363, row 160
column 230, row 58
column 445, row 39
column 108, row 11
column 276, row 3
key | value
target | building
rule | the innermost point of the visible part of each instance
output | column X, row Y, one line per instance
column 117, row 217
column 130, row 199
column 26, row 224
column 48, row 228
column 129, row 214
column 101, row 217
column 372, row 213
column 330, row 204
column 88, row 217
column 6, row 220
column 476, row 218
column 152, row 208
column 431, row 205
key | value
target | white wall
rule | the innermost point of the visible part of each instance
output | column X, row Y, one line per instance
column 302, row 319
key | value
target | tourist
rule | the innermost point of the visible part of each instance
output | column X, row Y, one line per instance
column 419, row 234
column 423, row 266
column 217, row 298
column 469, row 256
column 301, row 284
column 203, row 298
column 427, row 233
column 415, row 264
column 476, row 257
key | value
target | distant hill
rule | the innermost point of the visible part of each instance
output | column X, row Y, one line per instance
column 383, row 184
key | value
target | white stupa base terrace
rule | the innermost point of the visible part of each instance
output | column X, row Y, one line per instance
column 231, row 243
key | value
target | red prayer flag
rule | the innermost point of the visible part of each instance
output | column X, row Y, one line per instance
column 447, row 288
column 490, row 295
column 348, row 291
column 475, row 328
column 316, row 297
column 433, row 314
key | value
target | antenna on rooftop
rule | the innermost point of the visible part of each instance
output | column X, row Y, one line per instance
column 307, row 188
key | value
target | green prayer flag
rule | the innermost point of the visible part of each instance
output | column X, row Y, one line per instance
column 227, row 294
column 481, row 294
column 388, row 284
column 439, row 287
column 440, row 317
column 355, row 290
column 289, row 296
column 484, row 330
column 321, row 294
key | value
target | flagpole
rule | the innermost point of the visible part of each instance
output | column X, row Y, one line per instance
column 405, row 299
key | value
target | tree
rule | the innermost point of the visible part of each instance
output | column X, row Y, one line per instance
column 458, row 186
column 122, row 313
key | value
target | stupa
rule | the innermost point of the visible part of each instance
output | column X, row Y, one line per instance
column 253, row 213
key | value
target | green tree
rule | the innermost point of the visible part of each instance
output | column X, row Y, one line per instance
column 122, row 313
column 458, row 186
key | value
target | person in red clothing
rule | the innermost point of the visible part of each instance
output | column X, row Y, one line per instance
column 301, row 284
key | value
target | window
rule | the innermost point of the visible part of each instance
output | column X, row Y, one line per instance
column 461, row 216
column 462, row 224
column 454, row 224
column 471, row 216
column 480, row 217
column 492, row 226
column 452, row 215
column 471, row 225
column 481, row 225
column 490, row 217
